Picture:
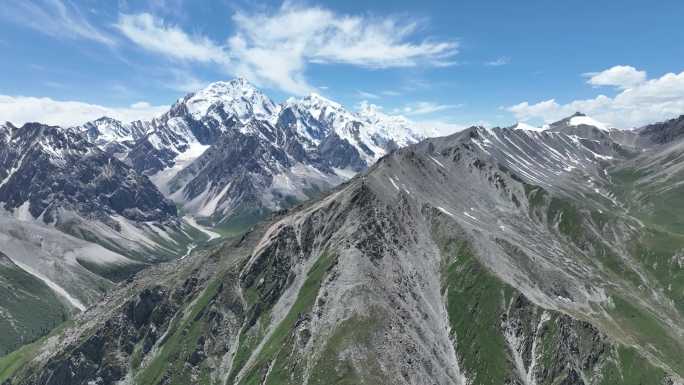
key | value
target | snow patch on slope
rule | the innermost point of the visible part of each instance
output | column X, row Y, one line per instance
column 12, row 171
column 52, row 285
column 22, row 212
column 393, row 127
column 585, row 120
column 204, row 204
column 192, row 222
column 55, row 258
column 345, row 173
column 161, row 179
column 527, row 127
column 298, row 181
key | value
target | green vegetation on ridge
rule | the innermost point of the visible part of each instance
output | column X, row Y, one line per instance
column 276, row 352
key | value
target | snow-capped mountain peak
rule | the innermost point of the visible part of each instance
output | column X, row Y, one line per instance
column 527, row 127
column 316, row 117
column 321, row 108
column 228, row 145
column 238, row 97
column 372, row 132
column 394, row 127
column 579, row 124
column 314, row 99
column 370, row 109
column 105, row 130
column 580, row 119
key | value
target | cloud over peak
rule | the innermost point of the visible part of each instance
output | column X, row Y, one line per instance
column 22, row 109
column 274, row 48
column 619, row 76
column 154, row 35
column 639, row 101
column 425, row 108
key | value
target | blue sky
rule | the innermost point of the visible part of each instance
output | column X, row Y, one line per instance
column 444, row 64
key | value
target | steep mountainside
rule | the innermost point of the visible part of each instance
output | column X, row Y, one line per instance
column 652, row 135
column 75, row 219
column 56, row 177
column 492, row 256
column 48, row 168
column 111, row 135
column 664, row 132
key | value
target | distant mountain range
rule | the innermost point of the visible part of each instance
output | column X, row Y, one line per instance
column 229, row 153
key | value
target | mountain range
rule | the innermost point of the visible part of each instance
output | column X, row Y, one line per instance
column 229, row 154
column 517, row 255
column 85, row 207
column 514, row 255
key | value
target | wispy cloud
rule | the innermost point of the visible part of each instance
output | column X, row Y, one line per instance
column 439, row 127
column 390, row 93
column 22, row 109
column 426, row 125
column 175, row 8
column 640, row 100
column 156, row 36
column 274, row 48
column 424, row 108
column 367, row 95
column 54, row 18
column 498, row 62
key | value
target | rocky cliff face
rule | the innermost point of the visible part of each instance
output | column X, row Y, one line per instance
column 48, row 168
column 56, row 177
column 664, row 132
column 493, row 256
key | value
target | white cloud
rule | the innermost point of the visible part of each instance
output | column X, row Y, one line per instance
column 154, row 35
column 547, row 109
column 619, row 76
column 434, row 128
column 430, row 127
column 367, row 95
column 54, row 18
column 22, row 109
column 645, row 102
column 141, row 105
column 275, row 48
column 503, row 60
column 424, row 108
column 391, row 93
